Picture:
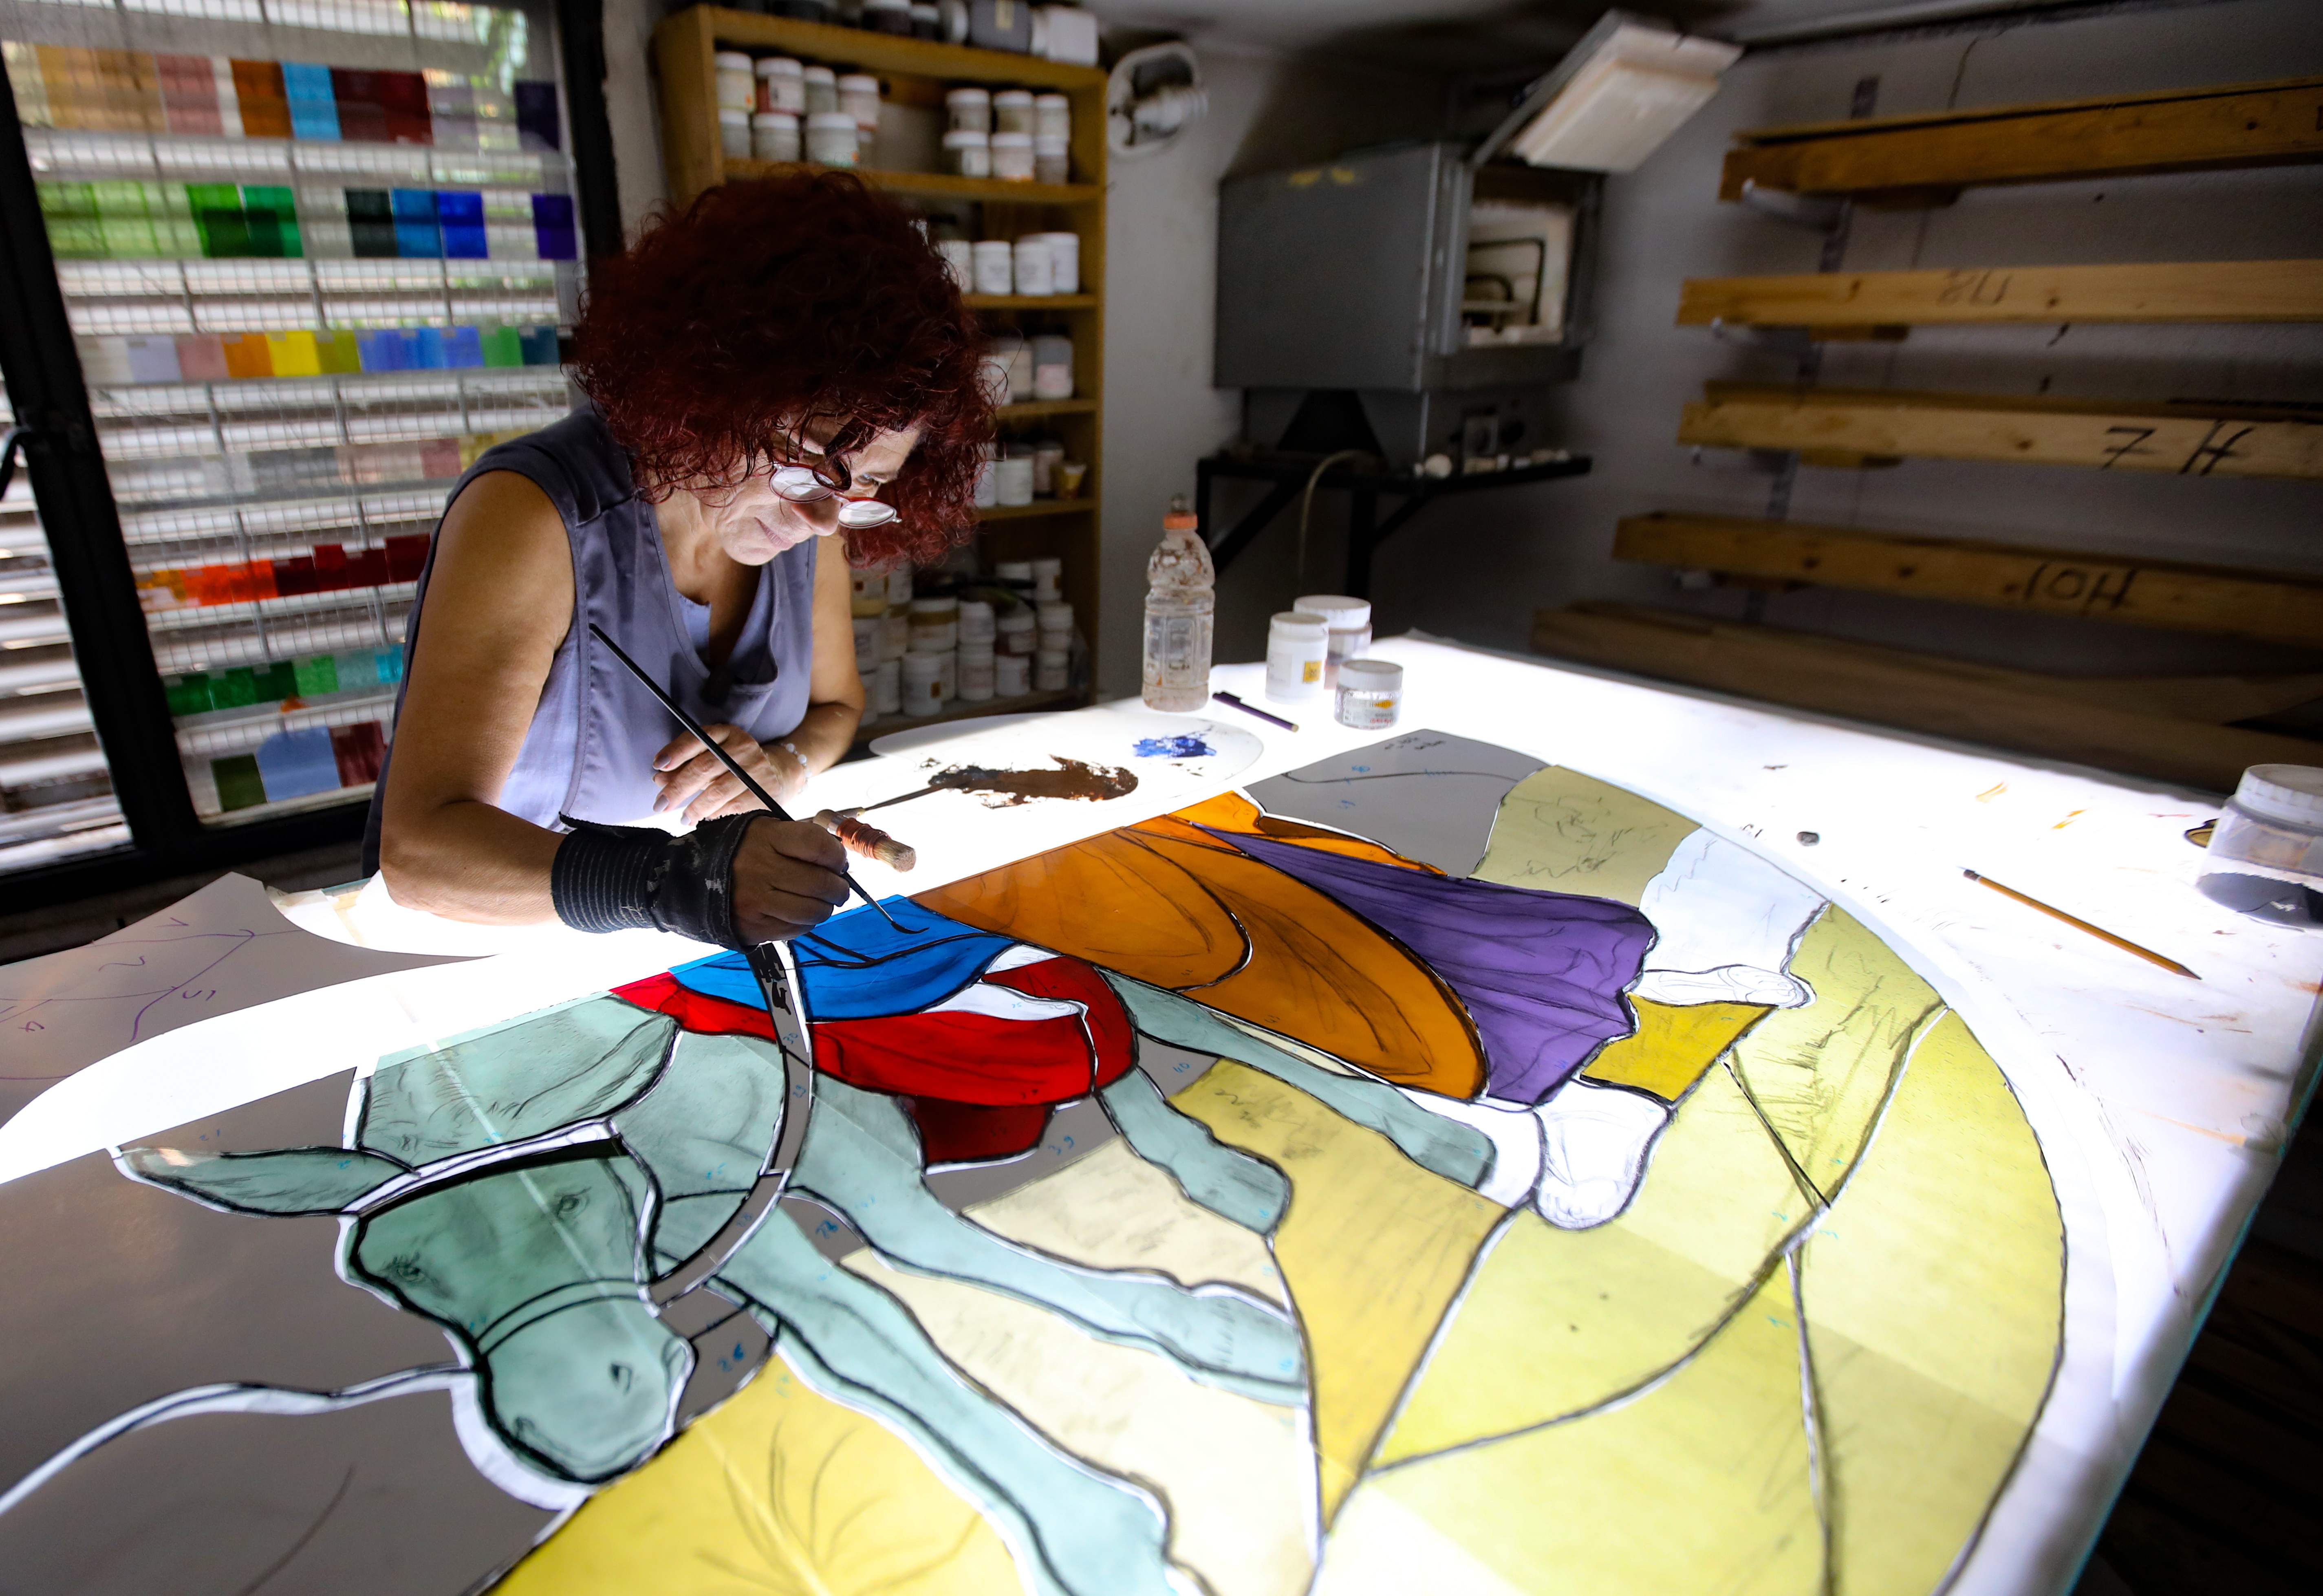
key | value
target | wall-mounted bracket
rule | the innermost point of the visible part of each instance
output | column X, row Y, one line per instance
column 1800, row 210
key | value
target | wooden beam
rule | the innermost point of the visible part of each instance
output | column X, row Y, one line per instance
column 2211, row 291
column 2181, row 439
column 1927, row 157
column 1888, row 687
column 2271, row 607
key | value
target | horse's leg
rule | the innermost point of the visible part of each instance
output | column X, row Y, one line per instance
column 1226, row 1182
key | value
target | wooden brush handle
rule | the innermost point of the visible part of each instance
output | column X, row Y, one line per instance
column 862, row 837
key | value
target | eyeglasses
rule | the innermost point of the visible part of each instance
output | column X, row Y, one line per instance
column 802, row 485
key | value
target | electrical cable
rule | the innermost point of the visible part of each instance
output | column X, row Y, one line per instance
column 1307, row 504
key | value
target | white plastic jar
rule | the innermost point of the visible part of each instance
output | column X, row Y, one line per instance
column 1296, row 646
column 782, row 85
column 977, row 673
column 969, row 110
column 1012, row 675
column 1012, row 157
column 988, row 479
column 1350, row 620
column 1053, row 370
column 960, row 256
column 995, row 266
column 1065, row 260
column 977, row 624
column 1031, row 256
column 1048, row 453
column 1048, row 580
column 774, row 136
column 2266, row 853
column 1054, row 618
column 1052, row 670
column 1052, row 116
column 1014, row 483
column 887, row 685
column 737, row 88
column 967, row 153
column 734, row 134
column 859, row 96
column 1011, row 112
column 821, row 84
column 1370, row 694
column 1012, row 631
column 921, row 680
column 832, row 139
column 869, row 631
column 1052, row 159
column 935, row 625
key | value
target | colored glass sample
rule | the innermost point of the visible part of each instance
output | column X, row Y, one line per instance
column 315, row 674
column 188, row 694
column 293, row 353
column 370, row 223
column 417, row 234
column 360, row 750
column 247, row 355
column 201, row 358
column 190, row 95
column 260, row 98
column 298, row 763
column 219, row 220
column 539, row 344
column 355, row 96
column 460, row 215
column 271, row 215
column 239, row 783
column 537, row 122
column 552, row 227
column 314, row 106
column 502, row 346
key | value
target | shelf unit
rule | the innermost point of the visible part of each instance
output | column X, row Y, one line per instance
column 913, row 74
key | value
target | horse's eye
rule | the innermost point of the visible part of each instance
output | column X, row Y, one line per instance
column 569, row 1204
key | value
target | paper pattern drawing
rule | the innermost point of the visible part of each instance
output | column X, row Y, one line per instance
column 1234, row 1201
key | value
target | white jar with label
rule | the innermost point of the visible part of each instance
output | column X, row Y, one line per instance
column 968, row 154
column 977, row 626
column 859, row 96
column 1012, row 674
column 738, row 90
column 895, row 633
column 886, row 687
column 995, row 266
column 1048, row 585
column 1350, row 620
column 734, row 134
column 1055, row 621
column 1052, row 116
column 1052, row 670
column 1065, row 261
column 1013, row 632
column 988, row 479
column 1053, row 369
column 821, row 85
column 1297, row 644
column 935, row 625
column 774, row 136
column 1048, row 453
column 969, row 110
column 960, row 256
column 977, row 673
column 1011, row 112
column 832, row 139
column 922, row 679
column 869, row 630
column 1012, row 157
column 1370, row 694
column 948, row 674
column 1019, row 371
column 782, row 85
column 1052, row 159
column 1014, row 481
column 1031, row 257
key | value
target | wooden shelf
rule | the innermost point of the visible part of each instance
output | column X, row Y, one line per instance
column 1837, row 426
column 869, row 51
column 2115, row 723
column 1030, row 301
column 1928, row 160
column 2264, row 605
column 933, row 185
column 1031, row 410
column 1039, row 506
column 1852, row 301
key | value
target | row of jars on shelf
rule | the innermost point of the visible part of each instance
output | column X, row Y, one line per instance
column 777, row 108
column 1055, row 33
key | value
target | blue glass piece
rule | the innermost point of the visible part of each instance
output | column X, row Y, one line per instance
column 297, row 764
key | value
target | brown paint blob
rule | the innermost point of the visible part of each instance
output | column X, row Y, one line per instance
column 1072, row 778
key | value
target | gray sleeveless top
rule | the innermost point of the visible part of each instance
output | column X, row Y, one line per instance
column 588, row 752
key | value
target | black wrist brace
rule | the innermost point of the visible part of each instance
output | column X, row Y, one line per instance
column 608, row 878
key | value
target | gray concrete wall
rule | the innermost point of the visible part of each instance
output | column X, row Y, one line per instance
column 1477, row 568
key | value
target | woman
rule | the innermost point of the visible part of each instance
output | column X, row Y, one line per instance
column 785, row 362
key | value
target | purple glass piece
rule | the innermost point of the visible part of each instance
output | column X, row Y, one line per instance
column 1542, row 974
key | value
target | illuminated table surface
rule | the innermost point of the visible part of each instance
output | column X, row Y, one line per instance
column 2163, row 1103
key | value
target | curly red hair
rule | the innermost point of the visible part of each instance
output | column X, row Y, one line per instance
column 773, row 300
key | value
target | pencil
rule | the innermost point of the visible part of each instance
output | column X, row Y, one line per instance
column 2102, row 935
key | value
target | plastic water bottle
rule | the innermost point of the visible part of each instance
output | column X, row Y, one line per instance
column 1182, row 603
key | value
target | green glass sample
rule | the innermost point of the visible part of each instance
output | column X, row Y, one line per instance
column 239, row 784
column 190, row 694
column 233, row 690
column 319, row 674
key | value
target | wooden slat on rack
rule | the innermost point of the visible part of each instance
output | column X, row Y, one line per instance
column 1928, row 159
column 1916, row 693
column 2270, row 605
column 2198, row 291
column 1828, row 425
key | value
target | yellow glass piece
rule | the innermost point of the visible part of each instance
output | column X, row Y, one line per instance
column 1233, row 1474
column 1821, row 1072
column 1374, row 1248
column 1673, row 1044
column 294, row 354
column 1558, row 1322
column 1559, row 830
column 1702, row 1484
column 1114, row 1210
column 338, row 352
column 1935, row 1298
column 779, row 1492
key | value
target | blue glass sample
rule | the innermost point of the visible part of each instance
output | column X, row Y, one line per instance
column 295, row 764
column 417, row 236
column 461, row 215
column 552, row 227
column 314, row 104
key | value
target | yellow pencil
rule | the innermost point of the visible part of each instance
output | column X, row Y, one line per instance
column 2099, row 932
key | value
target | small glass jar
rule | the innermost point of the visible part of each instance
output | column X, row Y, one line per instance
column 1053, row 369
column 821, row 85
column 1370, row 694
column 1051, row 159
column 780, row 85
column 859, row 96
column 1012, row 157
column 774, row 136
column 734, row 134
column 737, row 90
column 968, row 153
column 1012, row 111
column 1052, row 116
column 832, row 139
column 1031, row 261
column 971, row 110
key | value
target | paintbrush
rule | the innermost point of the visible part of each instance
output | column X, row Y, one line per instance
column 734, row 768
column 2078, row 923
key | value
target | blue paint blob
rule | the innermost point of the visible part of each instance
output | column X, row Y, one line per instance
column 1185, row 746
